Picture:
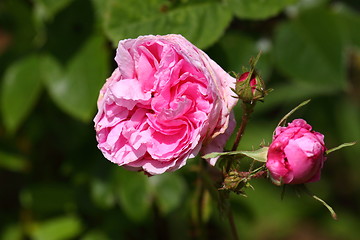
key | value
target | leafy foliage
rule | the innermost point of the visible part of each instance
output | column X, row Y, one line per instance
column 56, row 54
column 20, row 90
column 201, row 23
column 319, row 52
column 76, row 87
column 259, row 9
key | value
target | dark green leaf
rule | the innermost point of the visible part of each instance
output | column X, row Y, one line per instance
column 69, row 31
column 303, row 5
column 13, row 232
column 258, row 9
column 201, row 23
column 47, row 198
column 350, row 21
column 76, row 88
column 17, row 25
column 133, row 192
column 13, row 162
column 95, row 235
column 310, row 49
column 293, row 93
column 235, row 49
column 102, row 193
column 61, row 228
column 20, row 89
column 347, row 117
column 46, row 9
column 169, row 190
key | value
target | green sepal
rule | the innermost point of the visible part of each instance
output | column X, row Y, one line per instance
column 283, row 120
column 303, row 188
column 277, row 182
column 339, row 147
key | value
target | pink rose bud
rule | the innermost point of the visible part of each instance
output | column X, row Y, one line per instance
column 250, row 88
column 296, row 154
column 165, row 102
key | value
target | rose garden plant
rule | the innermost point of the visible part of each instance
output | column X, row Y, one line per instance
column 205, row 149
column 167, row 102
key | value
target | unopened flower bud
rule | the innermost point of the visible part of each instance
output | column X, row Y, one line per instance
column 233, row 182
column 296, row 155
column 250, row 88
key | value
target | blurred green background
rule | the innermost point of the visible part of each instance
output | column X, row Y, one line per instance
column 56, row 54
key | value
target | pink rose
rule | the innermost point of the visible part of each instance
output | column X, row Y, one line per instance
column 296, row 154
column 166, row 101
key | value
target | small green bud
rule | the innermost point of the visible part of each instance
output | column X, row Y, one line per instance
column 233, row 182
column 250, row 88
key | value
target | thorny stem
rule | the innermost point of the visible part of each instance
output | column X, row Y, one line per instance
column 209, row 184
column 248, row 108
column 232, row 225
column 259, row 174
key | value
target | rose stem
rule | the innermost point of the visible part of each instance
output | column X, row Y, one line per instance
column 232, row 225
column 248, row 108
column 208, row 183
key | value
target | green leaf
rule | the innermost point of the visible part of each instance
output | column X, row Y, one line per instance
column 259, row 155
column 47, row 198
column 133, row 192
column 13, row 162
column 310, row 49
column 169, row 190
column 234, row 50
column 293, row 93
column 76, row 88
column 347, row 116
column 258, row 9
column 12, row 231
column 350, row 21
column 69, row 31
column 201, row 23
column 95, row 235
column 303, row 5
column 45, row 10
column 102, row 193
column 60, row 228
column 16, row 23
column 20, row 89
